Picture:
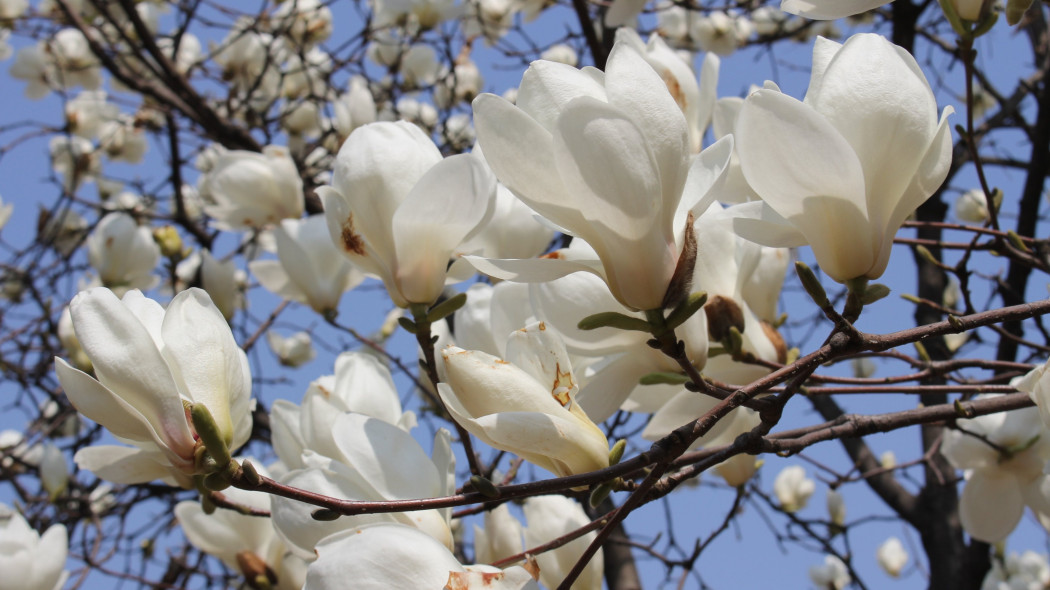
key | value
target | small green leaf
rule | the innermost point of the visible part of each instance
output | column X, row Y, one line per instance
column 874, row 292
column 447, row 307
column 686, row 309
column 408, row 325
column 812, row 285
column 662, row 378
column 613, row 319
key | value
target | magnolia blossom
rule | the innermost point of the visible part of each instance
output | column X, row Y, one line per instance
column 305, row 22
column 1027, row 571
column 606, row 157
column 354, row 555
column 223, row 281
column 1037, row 385
column 149, row 363
column 399, row 211
column 999, row 486
column 525, row 404
column 249, row 190
column 35, row 561
column 550, row 517
column 892, row 556
column 368, row 459
column 293, row 351
column 836, row 507
column 971, row 206
column 309, row 268
column 123, row 253
column 793, row 488
column 833, row 575
column 54, row 471
column 842, row 170
column 75, row 160
column 244, row 542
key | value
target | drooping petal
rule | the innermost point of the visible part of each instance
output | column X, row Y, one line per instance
column 124, row 465
column 991, row 505
column 96, row 402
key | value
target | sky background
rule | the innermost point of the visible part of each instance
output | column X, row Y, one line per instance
column 749, row 554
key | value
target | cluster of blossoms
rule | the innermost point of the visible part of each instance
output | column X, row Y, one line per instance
column 617, row 161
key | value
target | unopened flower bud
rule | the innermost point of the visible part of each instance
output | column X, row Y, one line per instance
column 169, row 241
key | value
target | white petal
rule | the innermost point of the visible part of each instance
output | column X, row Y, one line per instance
column 388, row 458
column 991, row 505
column 829, row 9
column 125, row 465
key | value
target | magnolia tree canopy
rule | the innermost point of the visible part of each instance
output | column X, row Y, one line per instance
column 449, row 294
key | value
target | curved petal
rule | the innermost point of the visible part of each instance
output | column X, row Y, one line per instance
column 547, row 86
column 829, row 9
column 203, row 356
column 533, row 270
column 991, row 505
column 97, row 403
column 375, row 558
column 806, row 172
column 444, row 207
column 364, row 384
column 388, row 458
column 636, row 89
column 128, row 363
column 124, row 465
column 521, row 153
column 565, row 301
column 610, row 387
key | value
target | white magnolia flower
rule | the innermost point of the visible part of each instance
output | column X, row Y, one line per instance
column 150, row 362
column 971, row 206
column 305, row 22
column 525, row 404
column 12, row 9
column 69, row 341
column 293, row 351
column 355, row 108
column 54, row 471
column 251, row 190
column 123, row 253
column 245, row 543
column 1027, row 571
column 892, row 556
column 836, row 507
column 793, row 488
column 1037, row 385
column 369, row 459
column 550, row 517
column 721, row 32
column 38, row 561
column 833, row 575
column 847, row 165
column 1000, row 480
column 888, row 460
column 399, row 211
column 565, row 54
column 75, row 160
column 223, row 281
column 374, row 557
column 501, row 537
column 86, row 113
column 309, row 268
column 122, row 140
column 606, row 157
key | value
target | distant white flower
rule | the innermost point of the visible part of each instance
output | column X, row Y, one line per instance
column 722, row 33
column 293, row 351
column 75, row 160
column 251, row 190
column 563, row 53
column 88, row 111
column 305, row 22
column 793, row 488
column 37, row 560
column 888, row 460
column 971, row 206
column 836, row 507
column 833, row 575
column 123, row 253
column 1028, row 571
column 892, row 556
column 309, row 268
column 54, row 471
